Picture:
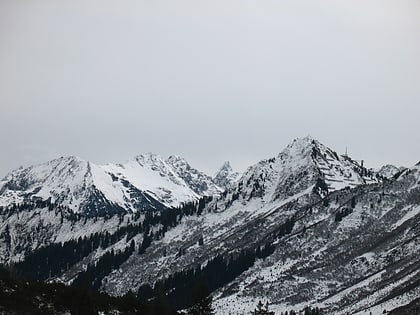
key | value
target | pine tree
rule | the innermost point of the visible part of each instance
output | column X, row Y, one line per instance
column 202, row 301
column 203, row 307
column 262, row 310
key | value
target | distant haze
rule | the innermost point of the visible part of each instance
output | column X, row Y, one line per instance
column 210, row 80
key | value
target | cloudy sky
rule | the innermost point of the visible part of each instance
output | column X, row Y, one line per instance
column 211, row 80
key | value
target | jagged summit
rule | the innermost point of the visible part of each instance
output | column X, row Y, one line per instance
column 199, row 182
column 145, row 182
column 149, row 181
column 305, row 145
column 225, row 176
column 70, row 158
column 226, row 167
column 304, row 165
column 174, row 158
column 285, row 231
column 388, row 171
column 303, row 140
column 148, row 157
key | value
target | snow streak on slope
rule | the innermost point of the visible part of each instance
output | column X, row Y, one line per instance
column 151, row 174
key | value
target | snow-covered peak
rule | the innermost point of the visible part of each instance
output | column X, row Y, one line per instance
column 304, row 165
column 225, row 168
column 144, row 182
column 149, row 181
column 301, row 148
column 298, row 151
column 57, row 179
column 225, row 176
column 337, row 171
column 150, row 159
column 63, row 167
column 199, row 182
column 303, row 141
column 177, row 160
column 388, row 171
column 178, row 164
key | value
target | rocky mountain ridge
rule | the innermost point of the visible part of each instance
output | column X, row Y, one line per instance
column 307, row 226
column 225, row 176
column 147, row 182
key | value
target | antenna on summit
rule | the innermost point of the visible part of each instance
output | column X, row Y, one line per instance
column 346, row 154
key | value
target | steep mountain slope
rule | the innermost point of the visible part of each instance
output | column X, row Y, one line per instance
column 199, row 182
column 305, row 227
column 67, row 180
column 354, row 252
column 144, row 183
column 302, row 174
column 347, row 251
column 27, row 228
column 225, row 176
column 23, row 296
column 305, row 163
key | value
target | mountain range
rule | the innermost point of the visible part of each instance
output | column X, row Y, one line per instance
column 147, row 182
column 305, row 227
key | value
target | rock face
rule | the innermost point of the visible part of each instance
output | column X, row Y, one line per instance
column 389, row 171
column 307, row 226
column 200, row 183
column 225, row 176
column 305, row 163
column 147, row 182
column 349, row 250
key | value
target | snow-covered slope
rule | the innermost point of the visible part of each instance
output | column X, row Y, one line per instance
column 388, row 171
column 302, row 173
column 225, row 177
column 143, row 183
column 199, row 182
column 304, row 164
column 338, row 237
column 350, row 250
column 66, row 180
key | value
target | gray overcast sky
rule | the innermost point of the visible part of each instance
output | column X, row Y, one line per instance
column 210, row 80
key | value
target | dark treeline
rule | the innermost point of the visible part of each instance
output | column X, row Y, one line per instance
column 340, row 214
column 96, row 271
column 56, row 258
column 37, row 203
column 25, row 296
column 29, row 205
column 177, row 290
column 218, row 272
column 308, row 310
column 262, row 309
